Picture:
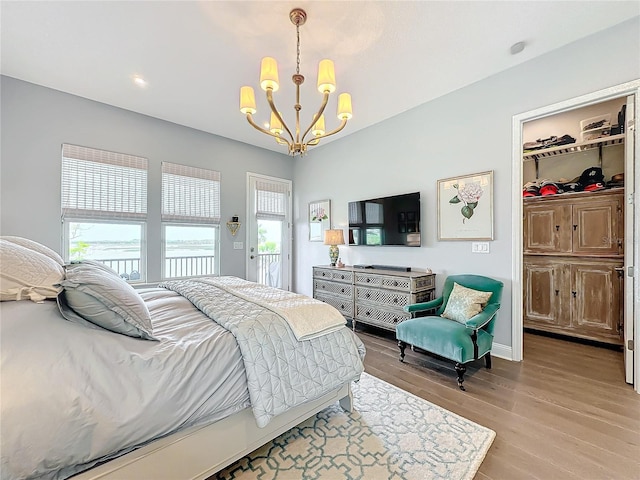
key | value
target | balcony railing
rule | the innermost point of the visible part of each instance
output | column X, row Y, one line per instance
column 188, row 266
column 269, row 265
column 269, row 269
column 127, row 268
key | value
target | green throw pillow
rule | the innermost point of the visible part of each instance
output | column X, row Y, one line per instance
column 465, row 303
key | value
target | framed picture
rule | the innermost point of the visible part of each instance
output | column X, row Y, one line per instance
column 465, row 207
column 319, row 219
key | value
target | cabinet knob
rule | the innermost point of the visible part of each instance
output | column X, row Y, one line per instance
column 557, row 292
column 575, row 227
column 574, row 294
column 557, row 228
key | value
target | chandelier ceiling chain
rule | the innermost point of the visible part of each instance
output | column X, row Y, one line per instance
column 269, row 82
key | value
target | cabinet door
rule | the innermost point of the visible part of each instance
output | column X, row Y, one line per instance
column 547, row 228
column 545, row 291
column 596, row 301
column 597, row 226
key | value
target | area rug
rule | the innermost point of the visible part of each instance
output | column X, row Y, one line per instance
column 390, row 435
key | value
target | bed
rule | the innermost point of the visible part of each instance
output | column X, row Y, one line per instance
column 222, row 372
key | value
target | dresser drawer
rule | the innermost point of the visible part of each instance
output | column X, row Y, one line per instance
column 373, row 315
column 342, row 290
column 343, row 305
column 345, row 276
column 390, row 298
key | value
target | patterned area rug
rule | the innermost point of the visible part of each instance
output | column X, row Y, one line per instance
column 390, row 435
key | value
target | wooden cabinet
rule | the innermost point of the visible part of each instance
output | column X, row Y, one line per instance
column 585, row 224
column 573, row 265
column 374, row 297
column 581, row 298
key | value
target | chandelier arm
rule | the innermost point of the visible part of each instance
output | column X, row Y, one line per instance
column 278, row 138
column 277, row 114
column 325, row 99
column 333, row 132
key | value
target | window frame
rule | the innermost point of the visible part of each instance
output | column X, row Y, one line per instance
column 216, row 248
column 143, row 239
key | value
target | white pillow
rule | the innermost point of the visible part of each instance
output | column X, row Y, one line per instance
column 27, row 274
column 98, row 295
column 35, row 246
column 465, row 303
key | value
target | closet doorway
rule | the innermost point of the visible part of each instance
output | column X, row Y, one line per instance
column 561, row 263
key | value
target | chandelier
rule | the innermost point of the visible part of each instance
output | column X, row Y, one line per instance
column 269, row 82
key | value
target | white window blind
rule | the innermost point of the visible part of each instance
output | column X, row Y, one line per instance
column 190, row 194
column 271, row 200
column 103, row 184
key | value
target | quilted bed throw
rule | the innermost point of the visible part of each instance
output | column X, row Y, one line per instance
column 282, row 371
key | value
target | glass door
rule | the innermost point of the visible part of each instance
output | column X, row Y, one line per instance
column 269, row 231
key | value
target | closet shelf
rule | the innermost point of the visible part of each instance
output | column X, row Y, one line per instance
column 574, row 147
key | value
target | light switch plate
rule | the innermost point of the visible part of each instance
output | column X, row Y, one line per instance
column 238, row 245
column 480, row 247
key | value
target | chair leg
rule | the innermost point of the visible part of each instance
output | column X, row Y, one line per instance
column 487, row 360
column 460, row 369
column 402, row 346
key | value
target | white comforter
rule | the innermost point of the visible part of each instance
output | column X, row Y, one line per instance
column 72, row 395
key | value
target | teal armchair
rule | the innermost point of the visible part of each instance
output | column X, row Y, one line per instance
column 463, row 340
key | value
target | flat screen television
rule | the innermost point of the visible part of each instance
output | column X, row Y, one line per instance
column 380, row 221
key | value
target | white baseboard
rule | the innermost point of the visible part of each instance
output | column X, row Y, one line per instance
column 502, row 351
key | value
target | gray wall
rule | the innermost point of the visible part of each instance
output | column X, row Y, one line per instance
column 464, row 132
column 36, row 121
column 467, row 131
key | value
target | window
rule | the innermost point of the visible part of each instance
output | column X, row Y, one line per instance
column 104, row 208
column 191, row 220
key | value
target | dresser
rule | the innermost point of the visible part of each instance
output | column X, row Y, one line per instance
column 371, row 296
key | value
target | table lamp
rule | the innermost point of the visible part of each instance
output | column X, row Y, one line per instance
column 333, row 238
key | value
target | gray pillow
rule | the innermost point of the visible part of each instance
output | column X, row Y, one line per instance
column 101, row 297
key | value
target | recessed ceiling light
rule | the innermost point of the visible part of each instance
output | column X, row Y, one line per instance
column 517, row 48
column 139, row 81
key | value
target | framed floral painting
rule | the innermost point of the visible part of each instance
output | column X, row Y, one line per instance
column 319, row 219
column 465, row 207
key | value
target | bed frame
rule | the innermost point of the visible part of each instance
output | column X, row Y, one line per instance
column 199, row 452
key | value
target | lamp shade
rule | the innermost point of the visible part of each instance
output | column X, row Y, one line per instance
column 326, row 76
column 333, row 237
column 275, row 125
column 344, row 106
column 269, row 74
column 318, row 127
column 247, row 100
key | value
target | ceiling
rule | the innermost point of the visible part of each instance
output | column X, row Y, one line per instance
column 390, row 55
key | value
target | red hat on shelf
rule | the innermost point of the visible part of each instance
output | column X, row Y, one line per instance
column 547, row 187
column 530, row 189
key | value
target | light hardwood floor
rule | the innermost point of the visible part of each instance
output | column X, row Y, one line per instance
column 564, row 412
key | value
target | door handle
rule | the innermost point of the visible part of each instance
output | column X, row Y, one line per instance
column 252, row 257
